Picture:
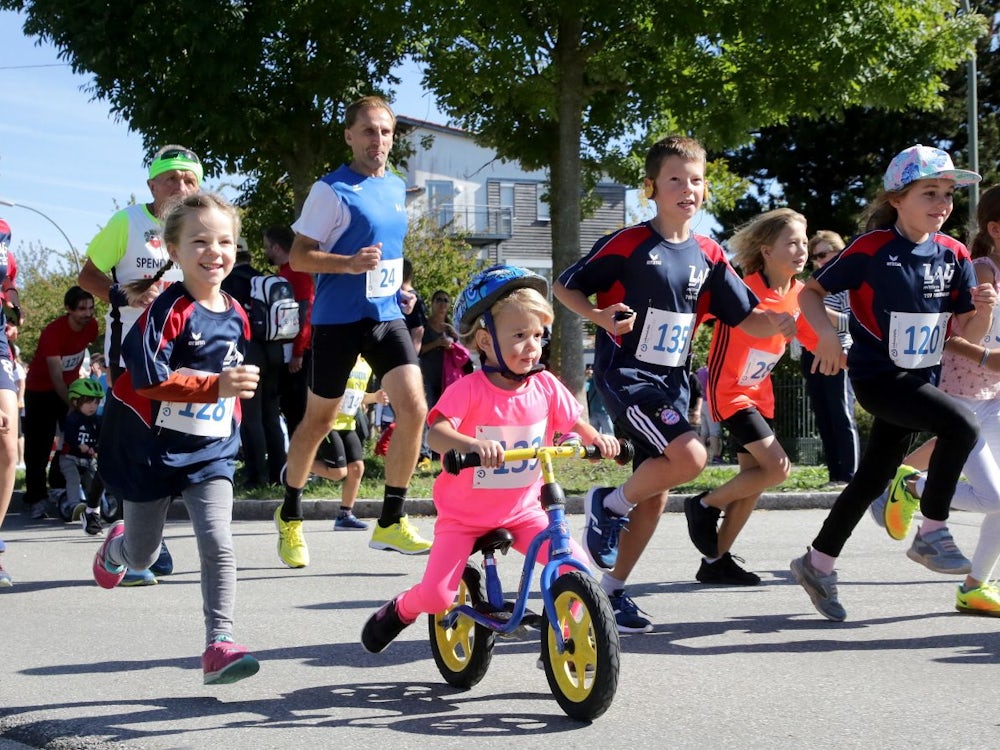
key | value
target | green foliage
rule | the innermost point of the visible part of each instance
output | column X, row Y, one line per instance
column 441, row 259
column 829, row 167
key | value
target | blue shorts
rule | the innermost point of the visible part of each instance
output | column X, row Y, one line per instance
column 651, row 427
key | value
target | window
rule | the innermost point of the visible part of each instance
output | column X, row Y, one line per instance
column 441, row 201
column 541, row 205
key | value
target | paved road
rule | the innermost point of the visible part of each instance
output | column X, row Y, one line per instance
column 723, row 668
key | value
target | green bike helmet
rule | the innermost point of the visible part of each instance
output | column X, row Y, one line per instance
column 85, row 388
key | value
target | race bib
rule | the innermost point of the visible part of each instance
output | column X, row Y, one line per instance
column 385, row 279
column 206, row 420
column 350, row 402
column 916, row 340
column 757, row 367
column 510, row 475
column 666, row 338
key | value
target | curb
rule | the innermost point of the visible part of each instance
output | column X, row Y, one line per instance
column 263, row 510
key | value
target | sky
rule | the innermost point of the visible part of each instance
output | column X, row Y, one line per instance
column 65, row 155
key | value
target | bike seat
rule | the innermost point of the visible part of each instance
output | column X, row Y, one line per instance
column 498, row 539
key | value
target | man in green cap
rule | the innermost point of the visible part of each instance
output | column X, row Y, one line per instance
column 130, row 247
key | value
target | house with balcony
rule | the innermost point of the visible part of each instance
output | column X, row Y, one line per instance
column 497, row 206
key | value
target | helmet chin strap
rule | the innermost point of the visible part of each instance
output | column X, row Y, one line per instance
column 502, row 370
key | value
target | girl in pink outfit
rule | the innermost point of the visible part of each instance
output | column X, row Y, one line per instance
column 511, row 402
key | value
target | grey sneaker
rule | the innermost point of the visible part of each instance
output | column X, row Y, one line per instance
column 877, row 508
column 822, row 589
column 938, row 552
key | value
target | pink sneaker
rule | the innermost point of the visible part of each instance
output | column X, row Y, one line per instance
column 107, row 576
column 225, row 662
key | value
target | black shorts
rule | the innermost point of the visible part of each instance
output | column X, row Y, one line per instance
column 335, row 349
column 339, row 448
column 748, row 426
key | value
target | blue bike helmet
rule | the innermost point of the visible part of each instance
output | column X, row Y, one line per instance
column 484, row 290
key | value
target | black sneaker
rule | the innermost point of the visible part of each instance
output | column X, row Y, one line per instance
column 727, row 572
column 92, row 523
column 382, row 628
column 703, row 525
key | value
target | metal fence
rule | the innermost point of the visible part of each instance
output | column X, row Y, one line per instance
column 795, row 422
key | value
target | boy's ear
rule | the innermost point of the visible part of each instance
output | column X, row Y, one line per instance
column 648, row 188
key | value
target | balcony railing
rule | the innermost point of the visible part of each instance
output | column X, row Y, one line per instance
column 479, row 224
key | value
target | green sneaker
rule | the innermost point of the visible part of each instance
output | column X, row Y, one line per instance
column 401, row 537
column 292, row 549
column 982, row 600
column 902, row 503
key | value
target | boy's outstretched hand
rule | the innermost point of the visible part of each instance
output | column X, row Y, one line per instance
column 239, row 381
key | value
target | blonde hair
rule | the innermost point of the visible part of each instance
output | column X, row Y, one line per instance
column 760, row 231
column 987, row 211
column 526, row 298
column 828, row 236
column 173, row 224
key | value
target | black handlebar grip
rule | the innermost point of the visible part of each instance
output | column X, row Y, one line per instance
column 626, row 454
column 454, row 462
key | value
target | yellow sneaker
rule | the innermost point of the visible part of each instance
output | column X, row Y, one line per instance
column 400, row 537
column 982, row 600
column 901, row 505
column 292, row 549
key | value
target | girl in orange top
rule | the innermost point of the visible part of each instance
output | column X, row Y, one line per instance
column 770, row 250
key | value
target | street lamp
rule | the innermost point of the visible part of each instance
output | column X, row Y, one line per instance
column 973, row 121
column 12, row 204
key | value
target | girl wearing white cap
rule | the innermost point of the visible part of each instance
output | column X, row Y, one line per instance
column 909, row 286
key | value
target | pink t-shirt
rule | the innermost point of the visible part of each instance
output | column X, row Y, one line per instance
column 961, row 376
column 522, row 418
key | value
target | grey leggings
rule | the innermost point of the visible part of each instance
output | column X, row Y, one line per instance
column 210, row 507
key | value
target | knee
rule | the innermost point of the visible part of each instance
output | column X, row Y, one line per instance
column 356, row 469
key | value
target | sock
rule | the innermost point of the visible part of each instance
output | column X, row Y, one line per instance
column 93, row 510
column 929, row 526
column 392, row 506
column 291, row 508
column 610, row 584
column 920, row 484
column 711, row 561
column 345, row 511
column 822, row 562
column 616, row 502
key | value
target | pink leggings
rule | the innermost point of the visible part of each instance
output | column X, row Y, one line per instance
column 452, row 546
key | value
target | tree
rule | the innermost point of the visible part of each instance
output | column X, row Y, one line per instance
column 572, row 86
column 830, row 167
column 256, row 88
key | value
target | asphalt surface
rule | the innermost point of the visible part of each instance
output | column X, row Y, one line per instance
column 724, row 667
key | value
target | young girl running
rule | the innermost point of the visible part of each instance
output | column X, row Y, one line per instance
column 511, row 401
column 172, row 422
column 771, row 250
column 908, row 282
column 969, row 373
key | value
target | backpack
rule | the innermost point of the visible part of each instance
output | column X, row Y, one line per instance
column 274, row 313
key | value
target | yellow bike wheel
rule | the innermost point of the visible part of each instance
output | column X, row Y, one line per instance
column 463, row 652
column 584, row 677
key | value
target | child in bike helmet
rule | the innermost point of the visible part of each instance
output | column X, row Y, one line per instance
column 78, row 459
column 511, row 401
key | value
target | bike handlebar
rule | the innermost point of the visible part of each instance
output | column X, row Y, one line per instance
column 454, row 462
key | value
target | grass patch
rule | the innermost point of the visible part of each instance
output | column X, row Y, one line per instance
column 575, row 476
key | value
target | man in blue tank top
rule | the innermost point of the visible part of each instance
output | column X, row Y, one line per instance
column 350, row 235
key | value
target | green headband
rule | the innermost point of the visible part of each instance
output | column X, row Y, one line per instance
column 176, row 160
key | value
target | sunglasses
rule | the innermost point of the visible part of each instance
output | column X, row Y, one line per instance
column 179, row 153
column 823, row 256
